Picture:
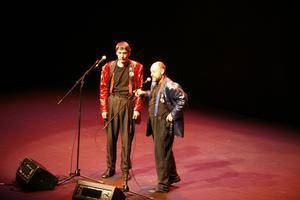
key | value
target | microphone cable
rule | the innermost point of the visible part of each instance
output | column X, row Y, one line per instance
column 131, row 170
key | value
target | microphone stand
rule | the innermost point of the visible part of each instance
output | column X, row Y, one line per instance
column 81, row 81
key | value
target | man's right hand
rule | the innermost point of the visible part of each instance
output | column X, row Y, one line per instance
column 104, row 115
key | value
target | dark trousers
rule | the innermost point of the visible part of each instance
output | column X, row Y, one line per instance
column 164, row 158
column 122, row 122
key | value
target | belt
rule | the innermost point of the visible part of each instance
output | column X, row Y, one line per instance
column 124, row 96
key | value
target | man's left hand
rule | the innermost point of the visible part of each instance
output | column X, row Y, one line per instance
column 140, row 92
column 169, row 117
column 136, row 114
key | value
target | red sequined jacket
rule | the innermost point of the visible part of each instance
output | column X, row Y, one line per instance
column 136, row 76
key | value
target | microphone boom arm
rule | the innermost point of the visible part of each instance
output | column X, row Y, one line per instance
column 81, row 79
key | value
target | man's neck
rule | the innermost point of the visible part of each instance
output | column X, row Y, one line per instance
column 121, row 64
column 162, row 79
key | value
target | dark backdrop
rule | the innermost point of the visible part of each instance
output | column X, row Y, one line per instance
column 234, row 55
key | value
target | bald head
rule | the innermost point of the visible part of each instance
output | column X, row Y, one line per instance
column 157, row 70
column 159, row 64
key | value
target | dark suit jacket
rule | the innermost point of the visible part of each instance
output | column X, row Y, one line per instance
column 175, row 99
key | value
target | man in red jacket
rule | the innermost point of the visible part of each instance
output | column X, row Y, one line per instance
column 119, row 79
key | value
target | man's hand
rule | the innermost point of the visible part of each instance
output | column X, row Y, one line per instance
column 104, row 115
column 169, row 117
column 136, row 114
column 139, row 92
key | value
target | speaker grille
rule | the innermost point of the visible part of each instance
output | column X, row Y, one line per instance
column 96, row 191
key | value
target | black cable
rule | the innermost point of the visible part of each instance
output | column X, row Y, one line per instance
column 8, row 184
column 132, row 174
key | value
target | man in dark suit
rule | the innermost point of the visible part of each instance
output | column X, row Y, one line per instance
column 166, row 102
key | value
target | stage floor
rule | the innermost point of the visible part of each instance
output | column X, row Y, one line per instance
column 223, row 156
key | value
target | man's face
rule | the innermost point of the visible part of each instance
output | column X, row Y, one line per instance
column 156, row 72
column 122, row 55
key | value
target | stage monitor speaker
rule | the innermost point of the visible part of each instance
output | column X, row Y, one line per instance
column 31, row 175
column 96, row 191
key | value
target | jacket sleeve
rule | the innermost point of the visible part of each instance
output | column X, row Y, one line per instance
column 139, row 78
column 178, row 99
column 104, row 88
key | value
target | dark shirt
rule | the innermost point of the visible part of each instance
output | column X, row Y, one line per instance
column 121, row 81
column 162, row 107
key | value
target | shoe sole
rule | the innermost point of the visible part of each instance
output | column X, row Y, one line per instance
column 175, row 181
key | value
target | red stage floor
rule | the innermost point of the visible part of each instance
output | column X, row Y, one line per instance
column 222, row 157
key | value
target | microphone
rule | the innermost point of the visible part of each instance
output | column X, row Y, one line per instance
column 147, row 80
column 99, row 61
column 103, row 58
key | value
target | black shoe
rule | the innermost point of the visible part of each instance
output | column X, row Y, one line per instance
column 158, row 190
column 174, row 179
column 108, row 173
column 161, row 190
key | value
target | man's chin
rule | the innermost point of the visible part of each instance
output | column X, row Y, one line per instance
column 123, row 61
